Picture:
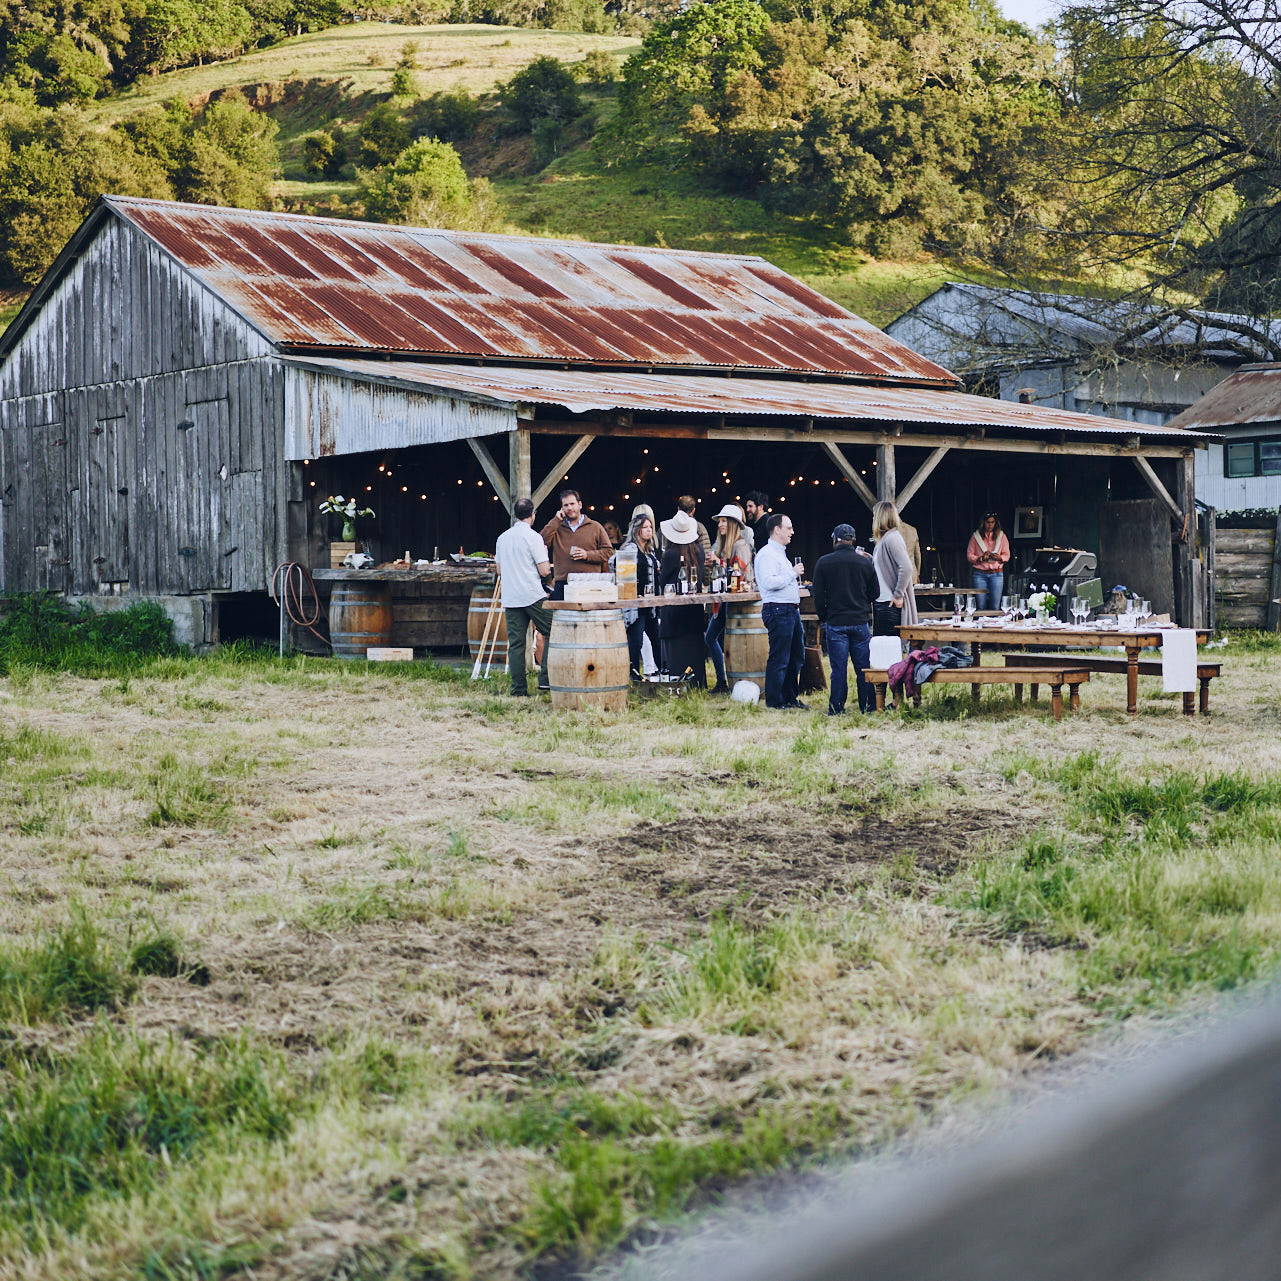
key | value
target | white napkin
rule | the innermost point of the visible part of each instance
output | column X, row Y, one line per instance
column 1178, row 661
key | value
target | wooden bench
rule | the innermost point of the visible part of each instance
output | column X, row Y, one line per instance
column 1102, row 663
column 1071, row 675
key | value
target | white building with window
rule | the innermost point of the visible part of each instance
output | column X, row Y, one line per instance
column 1245, row 470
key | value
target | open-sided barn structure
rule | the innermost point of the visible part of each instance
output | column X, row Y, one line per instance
column 187, row 382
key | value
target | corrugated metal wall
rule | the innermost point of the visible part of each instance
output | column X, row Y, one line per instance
column 329, row 415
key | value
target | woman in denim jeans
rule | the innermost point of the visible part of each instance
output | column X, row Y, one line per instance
column 988, row 551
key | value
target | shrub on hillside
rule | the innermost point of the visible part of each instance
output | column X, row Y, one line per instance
column 383, row 136
column 544, row 90
column 450, row 115
column 427, row 186
column 323, row 154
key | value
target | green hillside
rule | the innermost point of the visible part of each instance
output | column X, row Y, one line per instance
column 334, row 78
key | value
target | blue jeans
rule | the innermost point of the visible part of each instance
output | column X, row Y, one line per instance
column 713, row 639
column 786, row 652
column 844, row 643
column 990, row 587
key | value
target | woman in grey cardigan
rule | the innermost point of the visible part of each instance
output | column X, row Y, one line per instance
column 894, row 571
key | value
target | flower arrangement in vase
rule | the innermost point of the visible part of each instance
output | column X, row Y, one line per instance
column 337, row 505
column 1044, row 603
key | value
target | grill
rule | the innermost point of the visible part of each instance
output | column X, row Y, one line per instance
column 1061, row 570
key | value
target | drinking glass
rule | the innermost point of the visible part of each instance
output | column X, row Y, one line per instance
column 1006, row 604
column 1022, row 606
column 970, row 607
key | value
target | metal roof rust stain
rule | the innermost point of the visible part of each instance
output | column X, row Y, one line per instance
column 586, row 391
column 1251, row 395
column 319, row 282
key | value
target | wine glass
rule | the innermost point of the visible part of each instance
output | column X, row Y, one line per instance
column 1022, row 606
column 970, row 606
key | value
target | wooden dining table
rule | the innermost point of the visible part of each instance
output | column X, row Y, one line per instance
column 1025, row 636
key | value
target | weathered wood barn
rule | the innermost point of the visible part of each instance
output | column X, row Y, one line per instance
column 188, row 382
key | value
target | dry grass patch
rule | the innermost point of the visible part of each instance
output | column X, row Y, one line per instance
column 526, row 983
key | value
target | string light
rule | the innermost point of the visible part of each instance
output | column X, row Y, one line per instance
column 312, row 483
column 404, row 489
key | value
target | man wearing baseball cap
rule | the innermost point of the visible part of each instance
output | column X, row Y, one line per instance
column 845, row 586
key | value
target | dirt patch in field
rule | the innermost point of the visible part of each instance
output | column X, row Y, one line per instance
column 747, row 864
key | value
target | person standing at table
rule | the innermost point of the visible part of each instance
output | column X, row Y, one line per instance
column 681, row 626
column 988, row 551
column 522, row 567
column 756, row 509
column 895, row 602
column 686, row 503
column 576, row 542
column 779, row 583
column 845, row 585
column 730, row 552
column 648, row 564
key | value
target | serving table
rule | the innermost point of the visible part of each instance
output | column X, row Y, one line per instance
column 1023, row 636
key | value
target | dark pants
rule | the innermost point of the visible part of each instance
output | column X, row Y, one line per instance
column 714, row 639
column 844, row 643
column 646, row 624
column 886, row 616
column 786, row 652
column 518, row 621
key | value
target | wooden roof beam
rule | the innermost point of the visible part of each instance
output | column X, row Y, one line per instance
column 909, row 491
column 490, row 468
column 850, row 472
column 1155, row 485
column 562, row 466
column 931, row 440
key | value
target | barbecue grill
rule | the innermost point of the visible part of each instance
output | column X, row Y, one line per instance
column 1061, row 570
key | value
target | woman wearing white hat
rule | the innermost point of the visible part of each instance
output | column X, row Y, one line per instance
column 732, row 551
column 681, row 626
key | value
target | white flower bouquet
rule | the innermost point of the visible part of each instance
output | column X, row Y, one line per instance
column 337, row 505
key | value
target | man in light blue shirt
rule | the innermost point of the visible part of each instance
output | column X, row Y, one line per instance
column 522, row 566
column 779, row 582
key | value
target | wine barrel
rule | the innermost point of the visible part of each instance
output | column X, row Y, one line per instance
column 359, row 618
column 587, row 659
column 746, row 644
column 477, row 611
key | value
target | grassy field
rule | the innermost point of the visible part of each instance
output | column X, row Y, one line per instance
column 309, row 970
column 363, row 55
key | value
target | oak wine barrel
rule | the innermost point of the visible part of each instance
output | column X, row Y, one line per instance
column 359, row 618
column 746, row 644
column 587, row 663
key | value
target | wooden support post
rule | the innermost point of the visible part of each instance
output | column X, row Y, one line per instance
column 886, row 481
column 519, row 467
column 850, row 472
column 909, row 491
column 490, row 468
column 561, row 469
column 1155, row 485
column 1187, row 568
column 1273, row 622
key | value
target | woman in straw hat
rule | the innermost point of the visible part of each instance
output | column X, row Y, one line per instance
column 730, row 551
column 681, row 626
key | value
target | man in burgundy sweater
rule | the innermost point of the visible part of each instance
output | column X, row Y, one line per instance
column 575, row 543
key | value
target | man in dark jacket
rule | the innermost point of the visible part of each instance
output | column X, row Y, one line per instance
column 844, row 588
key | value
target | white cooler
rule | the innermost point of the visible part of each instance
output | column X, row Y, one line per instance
column 885, row 652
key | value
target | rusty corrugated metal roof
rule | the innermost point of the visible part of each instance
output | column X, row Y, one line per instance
column 323, row 283
column 586, row 391
column 1251, row 395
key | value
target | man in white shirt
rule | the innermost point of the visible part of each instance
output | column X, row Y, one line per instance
column 779, row 583
column 522, row 566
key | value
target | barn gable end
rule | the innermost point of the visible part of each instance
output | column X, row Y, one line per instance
column 140, row 429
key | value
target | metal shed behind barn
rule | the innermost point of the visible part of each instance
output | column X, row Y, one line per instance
column 187, row 382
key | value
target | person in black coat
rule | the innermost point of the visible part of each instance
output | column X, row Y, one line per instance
column 845, row 586
column 681, row 626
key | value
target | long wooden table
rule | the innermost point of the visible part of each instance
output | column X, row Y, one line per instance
column 661, row 602
column 1134, row 643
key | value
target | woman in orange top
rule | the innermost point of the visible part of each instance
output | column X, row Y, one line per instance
column 988, row 551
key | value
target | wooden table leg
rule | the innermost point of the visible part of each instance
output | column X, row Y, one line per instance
column 1075, row 700
column 1189, row 703
column 1056, row 701
column 1205, row 695
column 1132, row 679
column 976, row 652
column 880, row 698
column 974, row 694
column 1018, row 693
column 1036, row 693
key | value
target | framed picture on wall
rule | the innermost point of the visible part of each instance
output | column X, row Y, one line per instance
column 1028, row 522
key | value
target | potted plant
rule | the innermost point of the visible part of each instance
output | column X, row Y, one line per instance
column 337, row 505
